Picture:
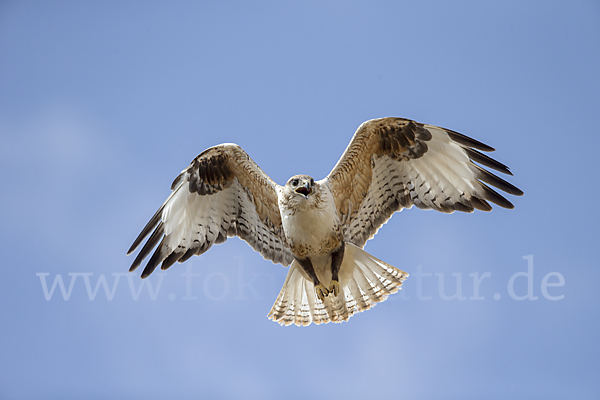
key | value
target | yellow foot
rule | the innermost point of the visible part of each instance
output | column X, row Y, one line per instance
column 334, row 287
column 321, row 292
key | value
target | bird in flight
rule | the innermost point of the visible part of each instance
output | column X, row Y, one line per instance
column 319, row 228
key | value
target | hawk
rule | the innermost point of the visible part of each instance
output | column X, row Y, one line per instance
column 319, row 228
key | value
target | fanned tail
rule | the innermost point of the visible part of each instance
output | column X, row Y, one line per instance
column 364, row 282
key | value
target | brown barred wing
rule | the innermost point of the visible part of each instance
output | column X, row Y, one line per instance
column 222, row 193
column 395, row 163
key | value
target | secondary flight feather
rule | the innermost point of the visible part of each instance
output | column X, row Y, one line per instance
column 319, row 228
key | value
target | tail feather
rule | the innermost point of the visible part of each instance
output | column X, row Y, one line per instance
column 362, row 300
column 369, row 286
column 302, row 311
column 364, row 281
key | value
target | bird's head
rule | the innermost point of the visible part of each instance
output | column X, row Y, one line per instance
column 301, row 185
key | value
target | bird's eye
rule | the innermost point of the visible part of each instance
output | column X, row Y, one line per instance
column 295, row 182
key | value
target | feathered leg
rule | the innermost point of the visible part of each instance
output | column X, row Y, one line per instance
column 307, row 266
column 336, row 262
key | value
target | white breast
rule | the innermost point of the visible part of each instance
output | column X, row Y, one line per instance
column 311, row 226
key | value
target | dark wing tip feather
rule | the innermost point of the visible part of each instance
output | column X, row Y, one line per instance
column 150, row 244
column 158, row 257
column 494, row 197
column 480, row 204
column 149, row 226
column 500, row 183
column 188, row 254
column 171, row 259
column 486, row 161
column 458, row 206
column 467, row 141
column 469, row 146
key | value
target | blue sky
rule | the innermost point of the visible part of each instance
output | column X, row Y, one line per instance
column 103, row 104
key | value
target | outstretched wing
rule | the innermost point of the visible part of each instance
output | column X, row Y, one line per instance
column 222, row 193
column 394, row 163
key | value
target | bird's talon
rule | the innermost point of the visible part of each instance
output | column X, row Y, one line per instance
column 321, row 292
column 334, row 287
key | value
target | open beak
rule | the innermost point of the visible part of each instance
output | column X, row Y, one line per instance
column 304, row 190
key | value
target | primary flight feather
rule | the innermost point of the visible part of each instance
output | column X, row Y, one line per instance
column 320, row 227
